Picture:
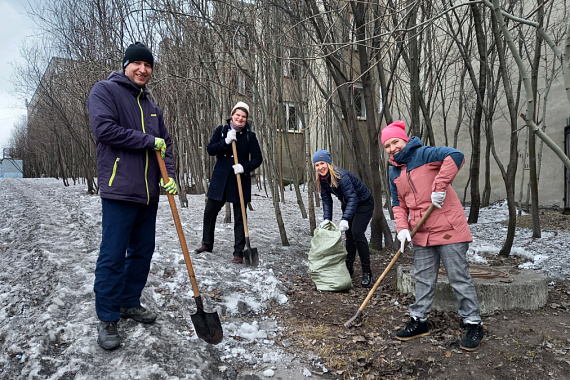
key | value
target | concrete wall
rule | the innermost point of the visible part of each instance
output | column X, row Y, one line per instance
column 551, row 181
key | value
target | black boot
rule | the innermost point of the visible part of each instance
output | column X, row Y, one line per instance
column 366, row 278
column 350, row 267
column 414, row 329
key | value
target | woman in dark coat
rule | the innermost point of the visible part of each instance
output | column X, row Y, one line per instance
column 357, row 206
column 223, row 185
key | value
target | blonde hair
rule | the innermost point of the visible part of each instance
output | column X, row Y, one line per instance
column 334, row 177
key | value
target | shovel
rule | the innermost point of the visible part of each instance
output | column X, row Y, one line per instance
column 207, row 325
column 251, row 257
column 396, row 256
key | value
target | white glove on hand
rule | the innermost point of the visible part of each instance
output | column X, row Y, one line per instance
column 404, row 235
column 343, row 225
column 324, row 223
column 231, row 136
column 238, row 169
column 437, row 198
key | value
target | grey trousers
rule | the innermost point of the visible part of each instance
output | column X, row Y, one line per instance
column 426, row 267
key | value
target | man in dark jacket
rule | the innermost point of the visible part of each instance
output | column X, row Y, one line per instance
column 127, row 127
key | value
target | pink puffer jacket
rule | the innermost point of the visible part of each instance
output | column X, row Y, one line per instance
column 417, row 171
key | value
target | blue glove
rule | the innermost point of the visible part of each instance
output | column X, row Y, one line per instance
column 160, row 144
column 170, row 186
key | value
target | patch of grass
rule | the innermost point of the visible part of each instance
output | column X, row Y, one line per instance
column 311, row 332
column 548, row 221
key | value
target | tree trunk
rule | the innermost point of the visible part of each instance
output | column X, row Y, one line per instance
column 476, row 127
column 509, row 175
column 379, row 225
column 533, row 177
column 414, row 54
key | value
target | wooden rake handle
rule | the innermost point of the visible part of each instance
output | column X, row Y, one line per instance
column 241, row 201
column 396, row 256
column 176, row 217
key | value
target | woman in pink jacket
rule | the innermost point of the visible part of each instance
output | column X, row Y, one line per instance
column 419, row 176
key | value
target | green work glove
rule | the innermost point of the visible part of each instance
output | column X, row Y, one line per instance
column 170, row 186
column 159, row 144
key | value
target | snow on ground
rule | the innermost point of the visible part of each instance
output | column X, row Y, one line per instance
column 550, row 253
column 49, row 242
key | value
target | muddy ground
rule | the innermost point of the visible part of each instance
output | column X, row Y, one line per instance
column 519, row 344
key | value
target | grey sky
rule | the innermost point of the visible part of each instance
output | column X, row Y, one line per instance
column 15, row 25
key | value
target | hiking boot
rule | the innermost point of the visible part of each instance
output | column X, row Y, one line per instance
column 204, row 248
column 350, row 267
column 414, row 329
column 237, row 260
column 139, row 314
column 366, row 278
column 473, row 336
column 108, row 337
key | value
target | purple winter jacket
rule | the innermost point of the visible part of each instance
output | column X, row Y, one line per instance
column 125, row 122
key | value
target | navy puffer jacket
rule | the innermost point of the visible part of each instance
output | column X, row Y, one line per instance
column 351, row 192
column 125, row 122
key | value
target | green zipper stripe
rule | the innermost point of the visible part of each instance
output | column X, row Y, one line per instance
column 146, row 151
column 114, row 171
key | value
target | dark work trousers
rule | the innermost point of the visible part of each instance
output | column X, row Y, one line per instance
column 355, row 235
column 127, row 245
column 213, row 207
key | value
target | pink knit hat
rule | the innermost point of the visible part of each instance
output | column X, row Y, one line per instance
column 396, row 129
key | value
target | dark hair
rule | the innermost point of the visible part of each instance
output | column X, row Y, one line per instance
column 240, row 108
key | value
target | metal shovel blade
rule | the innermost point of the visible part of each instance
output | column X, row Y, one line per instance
column 250, row 255
column 207, row 325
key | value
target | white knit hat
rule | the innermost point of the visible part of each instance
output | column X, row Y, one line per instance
column 241, row 105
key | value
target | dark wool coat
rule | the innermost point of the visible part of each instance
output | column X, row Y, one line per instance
column 125, row 122
column 223, row 177
column 351, row 192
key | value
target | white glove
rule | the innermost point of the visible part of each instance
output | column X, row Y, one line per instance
column 343, row 225
column 437, row 198
column 238, row 169
column 324, row 223
column 404, row 235
column 231, row 136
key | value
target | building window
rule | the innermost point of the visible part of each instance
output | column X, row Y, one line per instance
column 359, row 104
column 242, row 83
column 290, row 65
column 292, row 121
column 242, row 39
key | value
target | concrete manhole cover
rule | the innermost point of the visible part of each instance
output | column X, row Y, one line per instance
column 481, row 272
column 498, row 288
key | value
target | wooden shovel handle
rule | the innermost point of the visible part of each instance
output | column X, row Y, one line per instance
column 396, row 256
column 241, row 201
column 176, row 217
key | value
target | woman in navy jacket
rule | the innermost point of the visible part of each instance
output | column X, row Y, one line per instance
column 357, row 206
column 223, row 185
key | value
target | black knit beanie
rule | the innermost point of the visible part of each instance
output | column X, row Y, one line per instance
column 137, row 52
